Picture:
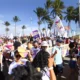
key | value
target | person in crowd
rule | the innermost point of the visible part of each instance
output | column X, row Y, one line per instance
column 2, row 76
column 76, row 49
column 31, row 38
column 35, row 49
column 16, row 43
column 30, row 45
column 28, row 72
column 41, row 62
column 78, row 64
column 19, row 59
column 71, row 46
column 57, row 53
column 49, row 42
column 24, row 44
column 73, row 60
column 44, row 45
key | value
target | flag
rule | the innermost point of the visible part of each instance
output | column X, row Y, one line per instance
column 65, row 34
column 59, row 28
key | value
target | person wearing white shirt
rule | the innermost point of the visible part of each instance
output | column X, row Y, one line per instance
column 57, row 53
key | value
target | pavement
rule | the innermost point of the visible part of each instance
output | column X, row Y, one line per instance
column 66, row 72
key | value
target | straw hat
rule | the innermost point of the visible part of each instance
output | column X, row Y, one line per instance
column 23, row 53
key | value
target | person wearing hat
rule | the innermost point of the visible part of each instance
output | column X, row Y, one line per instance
column 44, row 63
column 57, row 53
column 45, row 46
column 16, row 43
column 19, row 59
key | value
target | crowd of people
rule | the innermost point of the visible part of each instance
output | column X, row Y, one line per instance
column 42, row 59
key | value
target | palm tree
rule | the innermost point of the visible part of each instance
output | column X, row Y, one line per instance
column 69, row 14
column 76, row 15
column 16, row 19
column 48, row 5
column 7, row 29
column 50, row 23
column 43, row 31
column 23, row 28
column 40, row 12
column 76, row 18
column 57, row 7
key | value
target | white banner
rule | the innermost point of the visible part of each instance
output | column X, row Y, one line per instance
column 58, row 26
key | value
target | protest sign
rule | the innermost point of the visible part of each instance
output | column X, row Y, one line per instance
column 36, row 34
column 65, row 49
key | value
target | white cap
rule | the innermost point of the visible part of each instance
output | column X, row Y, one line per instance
column 71, row 41
column 44, row 43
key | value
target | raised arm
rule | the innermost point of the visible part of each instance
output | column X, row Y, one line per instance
column 50, row 66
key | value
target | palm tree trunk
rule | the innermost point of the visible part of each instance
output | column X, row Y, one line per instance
column 46, row 31
column 6, row 33
column 23, row 32
column 39, row 27
column 76, row 28
column 50, row 33
column 68, row 32
column 15, row 28
column 79, row 24
column 39, row 30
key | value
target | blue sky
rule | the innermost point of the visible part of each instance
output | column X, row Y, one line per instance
column 24, row 10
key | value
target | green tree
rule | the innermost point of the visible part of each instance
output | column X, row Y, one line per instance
column 76, row 18
column 50, row 23
column 40, row 12
column 69, row 15
column 43, row 29
column 76, row 15
column 57, row 8
column 16, row 19
column 23, row 28
column 48, row 4
column 7, row 29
